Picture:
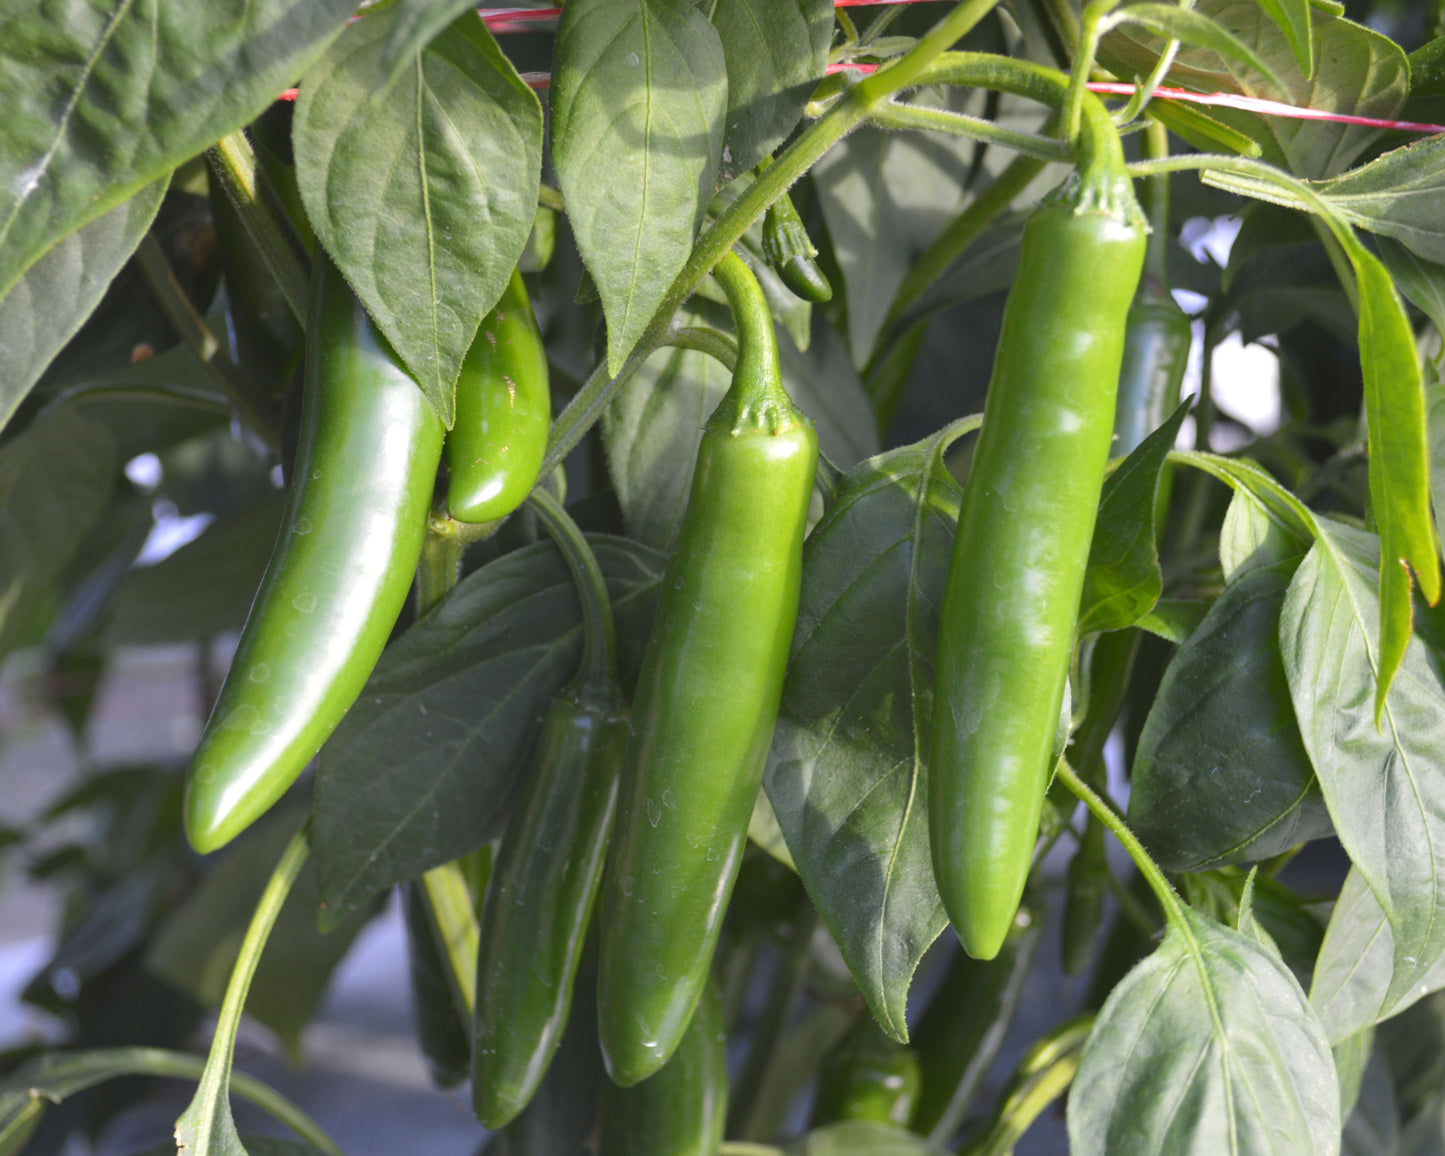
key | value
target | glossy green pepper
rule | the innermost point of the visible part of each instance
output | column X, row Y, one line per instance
column 338, row 577
column 707, row 700
column 495, row 446
column 550, row 862
column 682, row 1109
column 1006, row 631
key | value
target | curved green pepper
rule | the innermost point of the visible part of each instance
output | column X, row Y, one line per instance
column 707, row 700
column 344, row 560
column 682, row 1110
column 495, row 447
column 868, row 1077
column 1006, row 630
column 550, row 862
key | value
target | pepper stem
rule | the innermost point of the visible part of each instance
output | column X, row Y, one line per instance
column 599, row 632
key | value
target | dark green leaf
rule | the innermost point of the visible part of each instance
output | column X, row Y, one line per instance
column 1221, row 775
column 885, row 198
column 1385, row 787
column 1352, row 974
column 1208, row 1046
column 102, row 99
column 55, row 295
column 418, row 773
column 1124, row 581
column 825, row 386
column 639, row 99
column 196, row 947
column 423, row 192
column 55, row 480
column 847, row 773
column 652, row 430
column 775, row 52
column 1435, row 428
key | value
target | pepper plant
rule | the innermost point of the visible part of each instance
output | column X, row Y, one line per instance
column 784, row 733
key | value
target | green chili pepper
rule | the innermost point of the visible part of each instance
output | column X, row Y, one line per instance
column 1024, row 530
column 550, row 862
column 868, row 1077
column 791, row 252
column 348, row 547
column 706, row 702
column 495, row 447
column 1156, row 353
column 682, row 1109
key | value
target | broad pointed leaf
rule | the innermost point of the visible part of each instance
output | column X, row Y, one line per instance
column 56, row 294
column 1208, row 1047
column 1221, row 775
column 1355, row 965
column 423, row 193
column 103, row 98
column 419, row 772
column 847, row 774
column 639, row 98
column 1385, row 786
column 775, row 52
column 1123, row 581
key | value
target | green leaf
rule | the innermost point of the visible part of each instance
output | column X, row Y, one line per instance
column 1399, row 461
column 885, row 198
column 775, row 51
column 195, row 947
column 639, row 99
column 1385, row 786
column 1435, row 428
column 847, row 774
column 1208, row 1046
column 55, row 481
column 1189, row 27
column 1422, row 282
column 652, row 428
column 423, row 193
column 1250, row 539
column 419, row 771
column 102, row 99
column 55, row 295
column 651, row 433
column 1221, row 775
column 1358, row 72
column 1123, row 581
column 1353, row 973
column 257, row 1146
column 416, row 24
column 1397, row 195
